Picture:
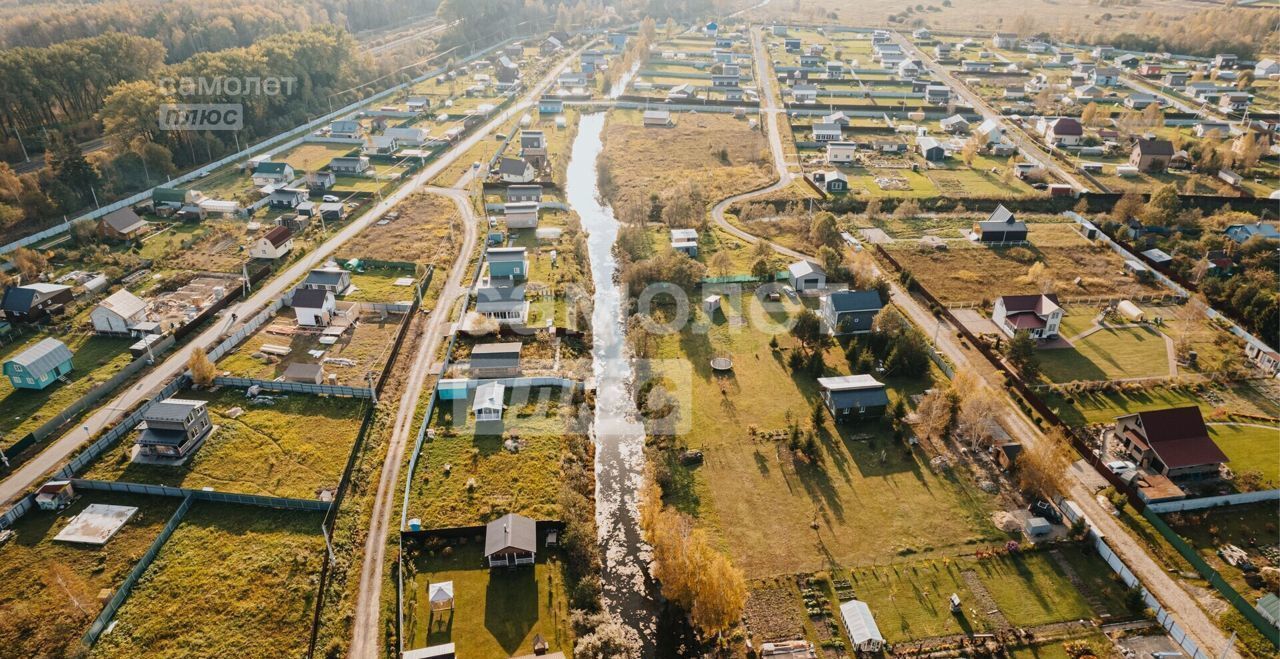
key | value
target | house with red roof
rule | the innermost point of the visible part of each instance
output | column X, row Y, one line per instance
column 1037, row 315
column 1173, row 443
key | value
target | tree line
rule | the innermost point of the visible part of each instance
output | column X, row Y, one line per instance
column 1241, row 31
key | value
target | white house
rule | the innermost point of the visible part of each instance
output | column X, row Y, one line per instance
column 841, row 152
column 806, row 276
column 488, row 401
column 516, row 170
column 1063, row 131
column 826, row 132
column 267, row 173
column 118, row 313
column 1038, row 315
column 314, row 307
column 273, row 244
column 1266, row 68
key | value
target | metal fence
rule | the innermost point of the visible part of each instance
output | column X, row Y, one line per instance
column 228, row 344
column 260, row 501
column 1131, row 580
column 1238, row 499
column 295, row 387
column 122, row 593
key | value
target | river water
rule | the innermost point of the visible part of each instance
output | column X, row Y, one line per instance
column 619, row 437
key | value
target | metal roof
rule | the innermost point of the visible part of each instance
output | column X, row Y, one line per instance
column 488, row 396
column 43, row 356
column 845, row 301
column 511, row 531
column 310, row 298
column 123, row 303
column 172, row 409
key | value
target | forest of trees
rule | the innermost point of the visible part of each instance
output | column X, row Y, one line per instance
column 1242, row 31
column 187, row 27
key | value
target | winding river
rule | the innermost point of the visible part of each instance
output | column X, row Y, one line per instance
column 619, row 437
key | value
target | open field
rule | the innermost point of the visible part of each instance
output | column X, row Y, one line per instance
column 1250, row 448
column 1250, row 527
column 367, row 345
column 1108, row 354
column 968, row 273
column 232, row 581
column 310, row 156
column 94, row 360
column 271, row 450
column 466, row 479
column 51, row 589
column 863, row 485
column 497, row 612
column 909, row 600
column 379, row 285
column 209, row 246
column 641, row 160
column 427, row 231
column 1100, row 407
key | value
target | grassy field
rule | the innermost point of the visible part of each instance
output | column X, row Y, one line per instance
column 868, row 495
column 271, row 450
column 1248, row 527
column 210, row 246
column 232, row 581
column 428, row 231
column 310, row 156
column 1108, row 354
column 95, row 359
column 971, row 273
column 379, row 285
column 909, row 600
column 368, row 345
column 51, row 589
column 497, row 613
column 641, row 160
column 524, row 480
column 1099, row 407
column 1250, row 448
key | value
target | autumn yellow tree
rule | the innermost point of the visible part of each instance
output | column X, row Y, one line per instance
column 202, row 369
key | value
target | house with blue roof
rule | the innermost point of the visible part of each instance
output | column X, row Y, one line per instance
column 38, row 366
column 849, row 312
column 1243, row 232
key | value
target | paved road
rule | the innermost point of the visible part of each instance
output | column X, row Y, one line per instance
column 34, row 470
column 367, row 638
column 1167, row 590
column 1029, row 148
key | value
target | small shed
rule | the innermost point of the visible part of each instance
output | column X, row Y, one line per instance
column 440, row 595
column 1037, row 527
column 55, row 495
column 452, row 389
column 861, row 626
column 1158, row 257
column 488, row 402
column 711, row 304
column 304, row 373
column 806, row 275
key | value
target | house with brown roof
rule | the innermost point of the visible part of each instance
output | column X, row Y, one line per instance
column 1173, row 443
column 1037, row 315
column 273, row 244
column 1151, row 155
column 122, row 224
column 1064, row 131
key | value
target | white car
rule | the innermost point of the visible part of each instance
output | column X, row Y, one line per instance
column 1121, row 466
column 330, row 199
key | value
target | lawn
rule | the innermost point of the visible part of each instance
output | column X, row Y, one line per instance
column 1104, row 407
column 872, row 499
column 379, row 285
column 428, row 230
column 641, row 160
column 310, row 156
column 497, row 613
column 1108, row 354
column 1250, row 448
column 94, row 360
column 51, row 588
column 232, row 581
column 270, row 450
column 525, row 480
column 368, row 346
column 910, row 600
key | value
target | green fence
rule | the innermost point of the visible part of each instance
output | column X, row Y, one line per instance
column 1211, row 575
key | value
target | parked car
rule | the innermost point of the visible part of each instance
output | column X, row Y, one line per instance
column 330, row 199
column 1046, row 510
column 1121, row 466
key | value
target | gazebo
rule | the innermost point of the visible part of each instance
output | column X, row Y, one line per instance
column 441, row 596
